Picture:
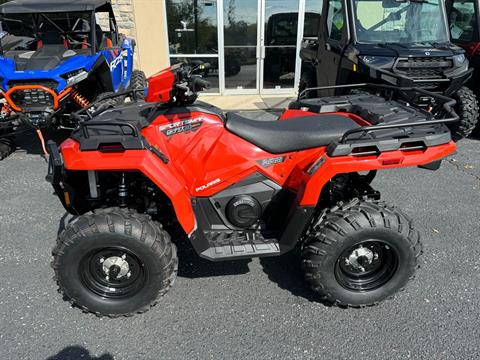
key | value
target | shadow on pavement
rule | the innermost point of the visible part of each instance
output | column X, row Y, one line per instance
column 78, row 352
column 285, row 271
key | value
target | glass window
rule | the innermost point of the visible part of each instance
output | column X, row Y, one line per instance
column 382, row 21
column 313, row 13
column 240, row 19
column 463, row 22
column 335, row 19
column 240, row 36
column 192, row 26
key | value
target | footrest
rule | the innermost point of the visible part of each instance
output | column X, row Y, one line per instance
column 230, row 245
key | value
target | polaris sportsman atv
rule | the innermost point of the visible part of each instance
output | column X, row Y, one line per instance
column 138, row 174
column 57, row 57
column 404, row 43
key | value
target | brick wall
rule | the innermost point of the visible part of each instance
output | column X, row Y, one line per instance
column 125, row 16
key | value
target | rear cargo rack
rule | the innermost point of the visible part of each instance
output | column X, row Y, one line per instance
column 410, row 136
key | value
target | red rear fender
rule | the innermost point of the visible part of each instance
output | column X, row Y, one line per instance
column 328, row 167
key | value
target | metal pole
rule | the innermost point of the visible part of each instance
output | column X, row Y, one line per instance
column 195, row 14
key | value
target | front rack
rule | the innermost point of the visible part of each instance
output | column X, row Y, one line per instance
column 80, row 115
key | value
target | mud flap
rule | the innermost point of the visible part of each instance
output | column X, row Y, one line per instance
column 435, row 165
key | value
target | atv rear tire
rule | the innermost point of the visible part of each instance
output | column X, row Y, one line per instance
column 114, row 262
column 360, row 253
column 138, row 82
column 467, row 109
column 7, row 146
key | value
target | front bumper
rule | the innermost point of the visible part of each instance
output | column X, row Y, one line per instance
column 33, row 103
column 447, row 85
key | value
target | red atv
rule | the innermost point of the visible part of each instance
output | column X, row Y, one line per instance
column 137, row 174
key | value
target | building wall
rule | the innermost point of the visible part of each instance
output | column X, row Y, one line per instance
column 144, row 20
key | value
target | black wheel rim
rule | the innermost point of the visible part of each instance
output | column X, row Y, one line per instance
column 366, row 266
column 113, row 272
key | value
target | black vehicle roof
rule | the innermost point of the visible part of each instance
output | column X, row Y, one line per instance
column 52, row 6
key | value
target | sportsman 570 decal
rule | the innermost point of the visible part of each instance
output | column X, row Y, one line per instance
column 188, row 125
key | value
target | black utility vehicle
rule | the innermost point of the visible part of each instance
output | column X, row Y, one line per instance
column 464, row 21
column 399, row 42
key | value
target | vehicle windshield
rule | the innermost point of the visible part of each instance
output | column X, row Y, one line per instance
column 25, row 32
column 400, row 21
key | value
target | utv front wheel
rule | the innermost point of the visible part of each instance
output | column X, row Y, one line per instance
column 467, row 110
column 114, row 262
column 360, row 254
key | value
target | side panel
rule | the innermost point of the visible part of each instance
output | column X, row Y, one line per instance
column 120, row 62
column 211, row 159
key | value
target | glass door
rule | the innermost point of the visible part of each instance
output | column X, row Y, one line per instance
column 240, row 44
column 193, row 36
column 280, row 40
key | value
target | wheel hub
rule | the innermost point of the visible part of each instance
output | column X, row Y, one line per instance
column 115, row 267
column 366, row 266
column 360, row 258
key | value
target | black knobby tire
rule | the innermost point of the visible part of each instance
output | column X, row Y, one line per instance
column 102, row 103
column 7, row 146
column 467, row 109
column 138, row 82
column 115, row 237
column 377, row 230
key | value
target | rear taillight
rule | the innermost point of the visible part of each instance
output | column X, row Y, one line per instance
column 109, row 148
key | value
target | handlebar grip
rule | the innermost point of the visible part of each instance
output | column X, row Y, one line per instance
column 200, row 84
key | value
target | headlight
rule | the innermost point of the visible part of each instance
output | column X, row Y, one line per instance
column 74, row 77
column 376, row 60
column 459, row 59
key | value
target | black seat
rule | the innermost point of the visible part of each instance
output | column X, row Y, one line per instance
column 300, row 133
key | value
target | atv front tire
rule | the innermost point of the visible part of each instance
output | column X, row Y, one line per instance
column 138, row 83
column 114, row 262
column 467, row 109
column 360, row 253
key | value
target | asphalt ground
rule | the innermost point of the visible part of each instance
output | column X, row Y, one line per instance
column 258, row 309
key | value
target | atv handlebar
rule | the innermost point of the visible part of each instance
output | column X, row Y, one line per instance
column 199, row 84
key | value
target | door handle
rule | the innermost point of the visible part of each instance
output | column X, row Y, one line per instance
column 328, row 46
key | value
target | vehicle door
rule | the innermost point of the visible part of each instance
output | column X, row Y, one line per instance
column 332, row 40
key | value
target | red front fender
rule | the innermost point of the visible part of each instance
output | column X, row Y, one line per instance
column 162, row 175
